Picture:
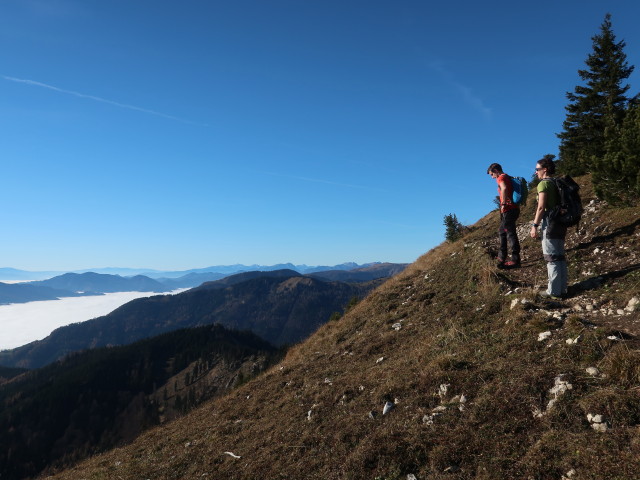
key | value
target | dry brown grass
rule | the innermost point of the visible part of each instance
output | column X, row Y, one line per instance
column 318, row 414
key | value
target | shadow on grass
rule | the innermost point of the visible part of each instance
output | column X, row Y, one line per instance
column 624, row 230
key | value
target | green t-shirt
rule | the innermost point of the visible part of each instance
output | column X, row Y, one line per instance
column 552, row 193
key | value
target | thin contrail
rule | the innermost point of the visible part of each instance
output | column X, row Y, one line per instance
column 467, row 94
column 100, row 99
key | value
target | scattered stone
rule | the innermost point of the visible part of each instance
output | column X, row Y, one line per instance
column 560, row 387
column 600, row 427
column 380, row 360
column 593, row 371
column 372, row 415
column 632, row 305
column 328, row 381
column 231, row 454
column 439, row 409
column 537, row 413
column 442, row 390
column 620, row 311
column 573, row 341
column 595, row 418
column 396, row 326
column 590, row 308
column 387, row 408
column 521, row 301
column 429, row 419
column 569, row 475
column 613, row 338
column 544, row 335
column 598, row 423
column 411, row 476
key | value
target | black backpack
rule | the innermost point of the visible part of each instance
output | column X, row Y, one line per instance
column 569, row 209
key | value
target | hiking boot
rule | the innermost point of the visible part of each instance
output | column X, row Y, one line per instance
column 549, row 296
column 511, row 264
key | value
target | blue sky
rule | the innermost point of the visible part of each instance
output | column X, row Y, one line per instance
column 174, row 135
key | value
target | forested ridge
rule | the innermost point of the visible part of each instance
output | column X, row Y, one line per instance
column 100, row 398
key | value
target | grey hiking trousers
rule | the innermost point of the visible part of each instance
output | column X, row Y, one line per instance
column 554, row 254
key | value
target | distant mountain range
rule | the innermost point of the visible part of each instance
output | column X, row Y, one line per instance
column 102, row 283
column 94, row 283
column 282, row 307
column 13, row 274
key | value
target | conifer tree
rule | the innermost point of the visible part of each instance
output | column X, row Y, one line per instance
column 453, row 227
column 616, row 175
column 601, row 101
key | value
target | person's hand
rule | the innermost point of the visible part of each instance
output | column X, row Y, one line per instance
column 534, row 232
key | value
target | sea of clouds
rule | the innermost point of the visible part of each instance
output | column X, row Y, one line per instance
column 22, row 323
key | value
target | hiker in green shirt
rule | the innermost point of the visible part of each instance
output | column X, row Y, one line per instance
column 552, row 233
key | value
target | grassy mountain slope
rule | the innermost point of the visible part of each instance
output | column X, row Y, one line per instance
column 455, row 346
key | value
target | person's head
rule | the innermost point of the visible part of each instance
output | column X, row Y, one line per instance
column 495, row 170
column 545, row 167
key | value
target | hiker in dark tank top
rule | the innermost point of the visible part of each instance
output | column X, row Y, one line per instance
column 509, row 213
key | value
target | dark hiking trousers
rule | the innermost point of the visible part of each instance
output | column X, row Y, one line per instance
column 508, row 236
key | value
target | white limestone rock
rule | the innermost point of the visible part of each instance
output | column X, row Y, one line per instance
column 573, row 341
column 598, row 422
column 593, row 371
column 544, row 335
column 388, row 406
column 442, row 390
column 632, row 305
column 560, row 386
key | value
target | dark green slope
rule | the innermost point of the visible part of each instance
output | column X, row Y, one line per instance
column 101, row 398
